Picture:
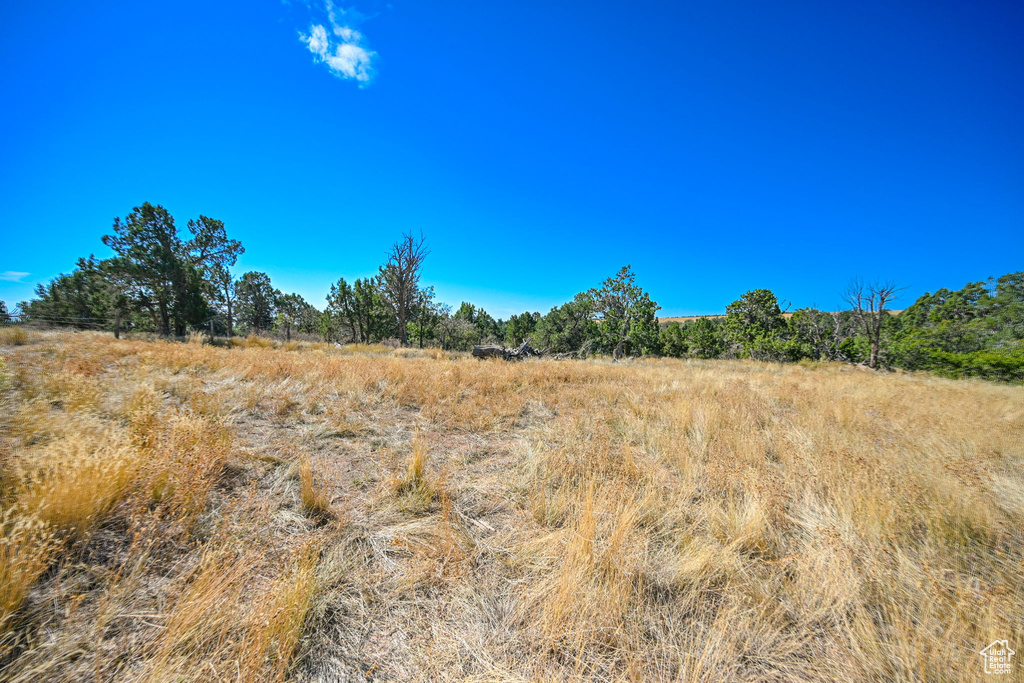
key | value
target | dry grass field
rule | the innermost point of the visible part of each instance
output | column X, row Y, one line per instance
column 180, row 511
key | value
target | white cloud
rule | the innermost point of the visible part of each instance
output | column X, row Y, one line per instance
column 317, row 41
column 341, row 49
column 349, row 35
column 351, row 61
column 12, row 276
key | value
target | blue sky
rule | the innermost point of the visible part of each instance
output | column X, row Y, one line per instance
column 715, row 146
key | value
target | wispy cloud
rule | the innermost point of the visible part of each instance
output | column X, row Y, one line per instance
column 12, row 276
column 339, row 46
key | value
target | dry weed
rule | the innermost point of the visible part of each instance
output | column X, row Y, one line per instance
column 13, row 336
column 313, row 499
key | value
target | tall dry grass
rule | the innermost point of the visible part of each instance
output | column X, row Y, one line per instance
column 654, row 520
column 13, row 336
column 312, row 496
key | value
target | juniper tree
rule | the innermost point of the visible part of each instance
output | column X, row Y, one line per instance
column 257, row 300
column 294, row 313
column 754, row 320
column 626, row 315
column 167, row 275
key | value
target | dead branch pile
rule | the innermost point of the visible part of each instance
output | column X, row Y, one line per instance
column 581, row 352
column 521, row 352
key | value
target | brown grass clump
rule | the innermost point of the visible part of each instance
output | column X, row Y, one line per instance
column 313, row 499
column 199, row 627
column 650, row 520
column 77, row 481
column 277, row 623
column 253, row 342
column 26, row 548
column 13, row 336
column 415, row 470
column 412, row 487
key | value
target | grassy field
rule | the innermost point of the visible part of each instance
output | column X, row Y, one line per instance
column 269, row 511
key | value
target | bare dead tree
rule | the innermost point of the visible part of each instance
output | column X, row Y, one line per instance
column 401, row 277
column 868, row 303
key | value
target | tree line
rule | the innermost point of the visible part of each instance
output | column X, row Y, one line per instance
column 976, row 331
column 162, row 281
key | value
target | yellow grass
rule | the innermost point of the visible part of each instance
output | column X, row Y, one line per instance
column 277, row 623
column 13, row 336
column 313, row 499
column 26, row 548
column 653, row 520
column 77, row 480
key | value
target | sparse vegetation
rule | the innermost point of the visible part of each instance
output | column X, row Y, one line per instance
column 313, row 499
column 651, row 520
column 160, row 282
column 13, row 336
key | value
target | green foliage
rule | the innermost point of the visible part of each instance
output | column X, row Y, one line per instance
column 452, row 332
column 643, row 336
column 460, row 331
column 674, row 341
column 425, row 316
column 78, row 299
column 821, row 333
column 257, row 302
column 295, row 314
column 519, row 327
column 164, row 275
column 778, row 349
column 1007, row 312
column 706, row 337
column 626, row 316
column 325, row 326
column 360, row 311
column 972, row 332
column 617, row 317
column 159, row 281
column 191, row 307
column 477, row 327
column 1004, row 364
column 855, row 349
column 753, row 324
column 569, row 327
column 700, row 338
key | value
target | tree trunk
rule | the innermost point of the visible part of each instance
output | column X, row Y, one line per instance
column 165, row 320
column 231, row 320
column 117, row 324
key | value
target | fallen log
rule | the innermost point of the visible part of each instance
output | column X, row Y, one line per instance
column 521, row 352
column 491, row 351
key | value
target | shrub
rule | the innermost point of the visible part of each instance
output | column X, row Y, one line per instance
column 13, row 336
column 314, row 502
column 1004, row 364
